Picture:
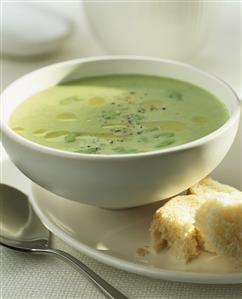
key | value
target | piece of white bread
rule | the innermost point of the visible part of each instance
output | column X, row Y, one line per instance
column 219, row 218
column 207, row 185
column 173, row 227
column 209, row 218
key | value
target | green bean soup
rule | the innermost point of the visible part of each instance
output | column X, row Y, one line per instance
column 118, row 114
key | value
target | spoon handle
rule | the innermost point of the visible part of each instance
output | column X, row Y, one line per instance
column 105, row 287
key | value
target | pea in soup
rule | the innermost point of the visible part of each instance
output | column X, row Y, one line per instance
column 118, row 114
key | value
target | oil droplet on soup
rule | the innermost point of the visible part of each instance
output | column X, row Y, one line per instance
column 167, row 125
column 18, row 129
column 118, row 114
column 200, row 119
column 96, row 101
column 55, row 136
column 39, row 132
column 66, row 116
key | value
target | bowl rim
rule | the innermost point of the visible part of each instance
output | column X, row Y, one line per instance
column 72, row 155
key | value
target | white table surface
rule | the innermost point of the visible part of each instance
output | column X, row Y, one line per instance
column 26, row 276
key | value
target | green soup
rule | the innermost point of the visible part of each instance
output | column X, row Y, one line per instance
column 118, row 114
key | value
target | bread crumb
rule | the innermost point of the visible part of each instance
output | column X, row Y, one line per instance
column 142, row 251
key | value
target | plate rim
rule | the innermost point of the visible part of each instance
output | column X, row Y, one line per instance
column 132, row 267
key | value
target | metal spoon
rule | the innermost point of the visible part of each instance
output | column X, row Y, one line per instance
column 22, row 230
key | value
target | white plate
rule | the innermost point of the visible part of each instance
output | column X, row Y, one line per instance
column 112, row 237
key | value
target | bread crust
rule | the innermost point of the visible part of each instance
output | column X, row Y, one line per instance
column 173, row 227
column 208, row 184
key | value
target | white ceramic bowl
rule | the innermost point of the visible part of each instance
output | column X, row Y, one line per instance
column 118, row 181
column 168, row 29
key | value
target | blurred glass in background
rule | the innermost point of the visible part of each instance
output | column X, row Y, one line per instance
column 204, row 33
column 168, row 29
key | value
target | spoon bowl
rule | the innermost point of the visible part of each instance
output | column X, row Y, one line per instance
column 19, row 223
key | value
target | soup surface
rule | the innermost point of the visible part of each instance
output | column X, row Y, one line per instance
column 118, row 114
